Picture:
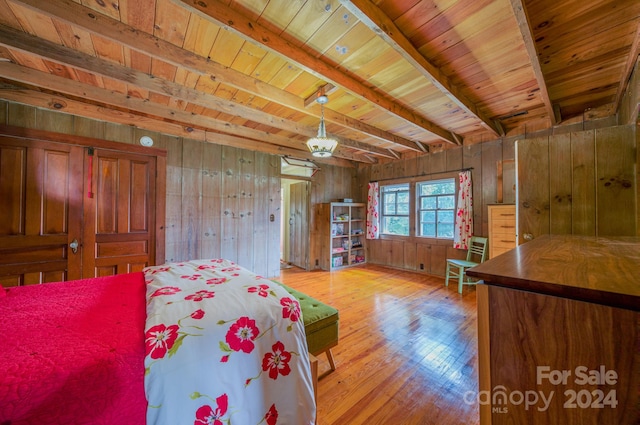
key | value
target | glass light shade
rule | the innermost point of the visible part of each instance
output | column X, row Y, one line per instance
column 321, row 146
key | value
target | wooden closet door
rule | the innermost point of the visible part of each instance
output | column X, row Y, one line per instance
column 119, row 231
column 299, row 225
column 40, row 211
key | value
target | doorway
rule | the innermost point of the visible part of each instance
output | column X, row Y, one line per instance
column 295, row 185
column 294, row 250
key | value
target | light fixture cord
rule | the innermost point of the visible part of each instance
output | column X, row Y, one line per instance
column 322, row 131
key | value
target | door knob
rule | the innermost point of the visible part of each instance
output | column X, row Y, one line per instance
column 74, row 246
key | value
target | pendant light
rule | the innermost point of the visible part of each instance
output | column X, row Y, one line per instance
column 321, row 145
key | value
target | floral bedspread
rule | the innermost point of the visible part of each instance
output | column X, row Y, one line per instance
column 224, row 346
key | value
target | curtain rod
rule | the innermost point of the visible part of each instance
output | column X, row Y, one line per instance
column 423, row 175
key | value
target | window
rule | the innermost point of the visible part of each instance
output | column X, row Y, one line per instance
column 395, row 209
column 436, row 208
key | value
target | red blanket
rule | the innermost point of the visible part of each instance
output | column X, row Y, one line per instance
column 73, row 352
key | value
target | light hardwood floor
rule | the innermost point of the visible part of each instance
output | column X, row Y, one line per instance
column 407, row 352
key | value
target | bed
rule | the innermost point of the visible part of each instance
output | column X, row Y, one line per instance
column 196, row 342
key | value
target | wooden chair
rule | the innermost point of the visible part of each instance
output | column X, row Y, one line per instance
column 457, row 268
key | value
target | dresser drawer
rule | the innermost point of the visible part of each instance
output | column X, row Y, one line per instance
column 503, row 214
column 504, row 241
column 502, row 225
column 498, row 251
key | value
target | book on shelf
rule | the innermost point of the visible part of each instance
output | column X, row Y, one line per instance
column 337, row 229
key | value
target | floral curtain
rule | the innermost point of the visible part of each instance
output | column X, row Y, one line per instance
column 464, row 213
column 373, row 213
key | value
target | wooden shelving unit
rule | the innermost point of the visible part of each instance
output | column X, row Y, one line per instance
column 343, row 225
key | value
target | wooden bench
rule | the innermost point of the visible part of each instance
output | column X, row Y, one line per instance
column 320, row 324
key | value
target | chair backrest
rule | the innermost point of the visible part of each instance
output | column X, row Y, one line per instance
column 477, row 247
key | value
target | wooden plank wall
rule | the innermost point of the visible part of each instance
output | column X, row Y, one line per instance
column 581, row 183
column 630, row 114
column 219, row 198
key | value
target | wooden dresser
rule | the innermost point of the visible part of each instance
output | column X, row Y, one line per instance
column 559, row 333
column 502, row 228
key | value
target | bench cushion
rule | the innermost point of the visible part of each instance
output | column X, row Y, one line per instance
column 320, row 321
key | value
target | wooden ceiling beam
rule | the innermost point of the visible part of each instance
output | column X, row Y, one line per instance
column 76, row 14
column 17, row 73
column 524, row 25
column 423, row 148
column 501, row 131
column 378, row 22
column 557, row 113
column 65, row 105
column 219, row 13
column 458, row 141
column 78, row 90
column 38, row 99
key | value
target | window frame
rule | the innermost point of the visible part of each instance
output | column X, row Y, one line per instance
column 437, row 210
column 412, row 181
column 383, row 203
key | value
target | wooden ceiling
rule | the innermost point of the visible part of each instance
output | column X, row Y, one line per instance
column 402, row 76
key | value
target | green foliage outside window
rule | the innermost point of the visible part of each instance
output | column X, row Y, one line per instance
column 437, row 205
column 395, row 210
